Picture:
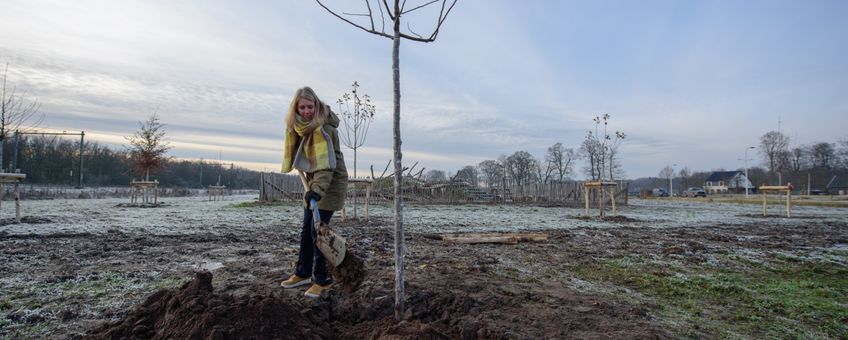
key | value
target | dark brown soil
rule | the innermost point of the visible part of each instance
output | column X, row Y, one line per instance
column 194, row 311
column 25, row 219
column 608, row 218
column 349, row 274
column 142, row 205
column 452, row 292
column 456, row 291
column 470, row 308
column 782, row 215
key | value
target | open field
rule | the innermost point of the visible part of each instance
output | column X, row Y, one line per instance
column 775, row 200
column 672, row 268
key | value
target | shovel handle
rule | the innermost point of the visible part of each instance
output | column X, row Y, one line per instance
column 316, row 218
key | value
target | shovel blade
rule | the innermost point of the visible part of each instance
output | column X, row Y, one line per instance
column 332, row 246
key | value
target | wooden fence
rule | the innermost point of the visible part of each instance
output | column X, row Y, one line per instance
column 275, row 187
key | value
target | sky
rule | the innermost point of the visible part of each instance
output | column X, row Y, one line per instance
column 691, row 83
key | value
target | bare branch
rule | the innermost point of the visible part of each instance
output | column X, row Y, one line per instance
column 370, row 15
column 358, row 15
column 388, row 11
column 411, row 168
column 414, row 38
column 413, row 32
column 442, row 16
column 382, row 34
column 382, row 17
column 17, row 113
column 386, row 169
column 424, row 5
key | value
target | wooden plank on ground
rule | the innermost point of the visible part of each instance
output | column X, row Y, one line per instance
column 503, row 238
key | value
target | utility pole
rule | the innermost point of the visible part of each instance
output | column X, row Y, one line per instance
column 746, row 170
column 201, row 172
column 671, row 182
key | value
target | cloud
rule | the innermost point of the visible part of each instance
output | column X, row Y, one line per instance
column 687, row 82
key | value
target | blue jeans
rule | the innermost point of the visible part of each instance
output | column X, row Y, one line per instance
column 310, row 261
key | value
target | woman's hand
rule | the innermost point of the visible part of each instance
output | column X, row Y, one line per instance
column 311, row 195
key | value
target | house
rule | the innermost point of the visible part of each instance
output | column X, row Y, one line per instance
column 838, row 185
column 727, row 181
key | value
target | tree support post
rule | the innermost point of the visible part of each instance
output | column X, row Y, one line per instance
column 778, row 188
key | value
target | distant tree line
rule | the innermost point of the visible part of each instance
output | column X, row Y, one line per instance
column 52, row 160
column 784, row 162
column 599, row 151
column 519, row 168
column 806, row 166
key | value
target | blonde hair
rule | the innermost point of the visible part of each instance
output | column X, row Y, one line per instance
column 307, row 93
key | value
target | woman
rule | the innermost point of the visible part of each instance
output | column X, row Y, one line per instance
column 312, row 147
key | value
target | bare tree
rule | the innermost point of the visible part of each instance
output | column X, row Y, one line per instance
column 601, row 151
column 17, row 113
column 614, row 168
column 774, row 146
column 757, row 175
column 435, row 176
column 148, row 146
column 543, row 173
column 797, row 158
column 667, row 173
column 684, row 174
column 468, row 174
column 357, row 119
column 491, row 171
column 822, row 155
column 609, row 148
column 842, row 153
column 520, row 167
column 591, row 150
column 394, row 14
column 561, row 160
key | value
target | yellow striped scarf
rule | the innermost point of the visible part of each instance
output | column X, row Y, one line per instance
column 308, row 148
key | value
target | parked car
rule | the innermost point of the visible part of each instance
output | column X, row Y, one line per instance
column 818, row 192
column 659, row 192
column 696, row 192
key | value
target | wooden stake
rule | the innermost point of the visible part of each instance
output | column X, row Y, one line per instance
column 612, row 199
column 601, row 202
column 367, row 198
column 788, row 203
column 764, row 203
column 17, row 204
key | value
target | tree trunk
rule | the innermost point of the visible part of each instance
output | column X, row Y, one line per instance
column 3, row 146
column 399, row 263
column 355, row 193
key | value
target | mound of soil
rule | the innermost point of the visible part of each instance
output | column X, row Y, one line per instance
column 194, row 311
column 349, row 274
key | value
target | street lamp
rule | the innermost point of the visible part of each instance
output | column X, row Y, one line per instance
column 671, row 182
column 746, row 170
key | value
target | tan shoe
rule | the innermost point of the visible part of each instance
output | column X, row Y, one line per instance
column 316, row 290
column 295, row 281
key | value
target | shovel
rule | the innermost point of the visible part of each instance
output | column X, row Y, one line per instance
column 330, row 244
